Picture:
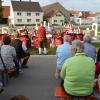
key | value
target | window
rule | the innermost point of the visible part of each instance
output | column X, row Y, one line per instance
column 19, row 13
column 61, row 21
column 37, row 20
column 58, row 15
column 28, row 14
column 28, row 20
column 78, row 20
column 19, row 20
column 37, row 14
column 98, row 17
column 55, row 20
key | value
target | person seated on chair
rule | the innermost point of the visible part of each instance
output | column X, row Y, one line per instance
column 98, row 55
column 89, row 49
column 21, row 50
column 98, row 68
column 78, row 72
column 8, row 53
column 99, row 82
column 63, row 52
column 98, row 63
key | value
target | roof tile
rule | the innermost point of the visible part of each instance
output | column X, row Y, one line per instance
column 26, row 6
column 51, row 9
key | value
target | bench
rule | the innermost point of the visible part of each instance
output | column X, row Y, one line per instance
column 60, row 93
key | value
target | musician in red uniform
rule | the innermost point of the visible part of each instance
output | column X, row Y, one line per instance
column 42, row 39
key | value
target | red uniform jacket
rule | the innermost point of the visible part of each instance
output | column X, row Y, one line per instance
column 41, row 32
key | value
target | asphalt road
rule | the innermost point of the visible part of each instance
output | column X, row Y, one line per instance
column 36, row 82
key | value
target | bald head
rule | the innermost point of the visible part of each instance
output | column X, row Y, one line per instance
column 78, row 45
column 87, row 38
column 66, row 39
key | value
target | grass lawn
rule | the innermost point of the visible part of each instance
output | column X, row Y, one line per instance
column 34, row 51
column 52, row 51
column 97, row 45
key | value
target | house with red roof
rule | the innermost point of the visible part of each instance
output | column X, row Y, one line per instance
column 84, row 17
column 6, row 14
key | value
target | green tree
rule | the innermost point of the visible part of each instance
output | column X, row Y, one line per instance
column 1, row 11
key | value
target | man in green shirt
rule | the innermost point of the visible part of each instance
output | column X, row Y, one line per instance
column 78, row 72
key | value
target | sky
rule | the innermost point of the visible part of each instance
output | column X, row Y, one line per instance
column 87, row 5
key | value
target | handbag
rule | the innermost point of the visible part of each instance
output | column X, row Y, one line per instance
column 10, row 71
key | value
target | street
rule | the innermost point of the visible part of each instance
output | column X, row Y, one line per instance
column 36, row 82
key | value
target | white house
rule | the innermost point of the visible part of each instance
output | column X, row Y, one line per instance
column 58, row 18
column 56, row 14
column 74, row 16
column 97, row 18
column 25, row 13
column 84, row 17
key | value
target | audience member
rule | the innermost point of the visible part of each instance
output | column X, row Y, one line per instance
column 63, row 52
column 8, row 53
column 98, row 68
column 98, row 55
column 21, row 50
column 42, row 39
column 99, row 82
column 89, row 49
column 78, row 72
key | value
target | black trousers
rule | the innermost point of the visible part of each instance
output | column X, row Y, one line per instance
column 26, row 56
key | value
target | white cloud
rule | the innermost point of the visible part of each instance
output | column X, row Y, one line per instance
column 92, row 5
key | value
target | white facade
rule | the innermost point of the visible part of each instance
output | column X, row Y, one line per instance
column 83, row 21
column 57, row 19
column 25, row 18
column 97, row 19
column 87, row 21
column 77, row 20
column 11, row 17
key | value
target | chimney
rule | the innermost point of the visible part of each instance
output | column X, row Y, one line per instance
column 20, row 0
column 29, row 0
